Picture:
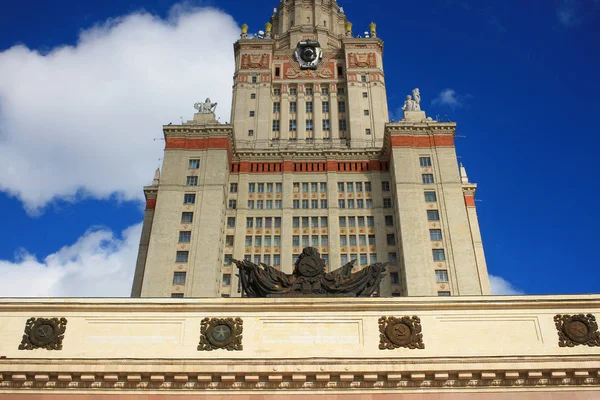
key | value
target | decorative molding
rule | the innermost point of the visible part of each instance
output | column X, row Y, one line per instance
column 221, row 333
column 575, row 330
column 44, row 333
column 400, row 332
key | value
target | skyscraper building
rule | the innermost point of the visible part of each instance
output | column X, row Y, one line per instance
column 310, row 158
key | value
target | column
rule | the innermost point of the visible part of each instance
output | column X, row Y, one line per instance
column 333, row 113
column 301, row 115
column 317, row 113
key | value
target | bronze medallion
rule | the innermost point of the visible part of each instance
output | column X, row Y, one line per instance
column 44, row 333
column 221, row 333
column 400, row 332
column 574, row 330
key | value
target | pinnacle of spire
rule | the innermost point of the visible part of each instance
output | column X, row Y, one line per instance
column 156, row 178
column 463, row 174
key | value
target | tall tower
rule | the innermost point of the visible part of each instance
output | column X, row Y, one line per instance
column 310, row 159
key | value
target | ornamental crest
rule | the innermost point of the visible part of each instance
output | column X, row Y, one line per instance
column 575, row 330
column 400, row 332
column 43, row 333
column 221, row 333
column 362, row 60
column 255, row 61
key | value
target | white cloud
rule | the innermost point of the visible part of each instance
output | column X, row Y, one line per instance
column 501, row 286
column 80, row 120
column 566, row 13
column 99, row 264
column 449, row 97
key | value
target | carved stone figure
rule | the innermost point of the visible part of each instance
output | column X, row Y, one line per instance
column 417, row 99
column 309, row 278
column 409, row 104
column 205, row 108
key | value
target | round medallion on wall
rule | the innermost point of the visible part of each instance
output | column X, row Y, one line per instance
column 180, row 266
column 432, row 206
column 308, row 54
column 219, row 335
column 434, row 224
column 43, row 332
column 577, row 330
column 399, row 333
column 440, row 265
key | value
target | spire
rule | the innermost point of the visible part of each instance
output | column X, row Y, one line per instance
column 463, row 174
column 156, row 178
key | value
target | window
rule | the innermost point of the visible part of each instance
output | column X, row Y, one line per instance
column 250, row 132
column 325, row 106
column 425, row 161
column 276, row 125
column 340, row 90
column 367, row 186
column 293, row 91
column 296, row 222
column 277, row 92
column 226, row 279
column 251, row 204
column 371, row 221
column 309, row 124
column 267, row 241
column 438, row 255
column 259, row 204
column 182, row 256
column 192, row 181
column 252, row 113
column 342, row 222
column 277, row 71
column 309, row 106
column 296, row 203
column 189, row 198
column 257, row 241
column 394, row 278
column 430, row 197
column 433, row 215
column 323, row 222
column 194, row 164
column 177, row 295
column 340, row 186
column 267, row 259
column 341, row 203
column 253, row 96
column 363, row 259
column 392, row 258
column 254, row 79
column 325, row 124
column 372, row 258
column 352, row 240
column 365, row 94
column 269, row 204
column 314, row 241
column 232, row 204
column 344, row 259
column 363, row 78
column 350, row 186
column 277, row 222
column 276, row 107
column 324, row 91
column 350, row 203
column 341, row 106
column 295, row 240
column 251, row 187
column 343, row 240
column 249, row 222
column 427, row 178
column 269, row 188
column 231, row 222
column 323, row 187
column 314, row 204
column 389, row 220
column 278, row 204
column 385, row 186
column 261, row 187
column 304, row 203
column 366, row 112
column 367, row 131
column 362, row 240
column 342, row 124
column 187, row 217
column 228, row 259
column 309, row 91
column 292, row 124
column 268, row 222
column 233, row 187
column 185, row 236
column 369, row 203
column 276, row 259
column 351, row 222
column 359, row 186
column 293, row 107
column 278, row 187
column 371, row 240
column 435, row 234
column 441, row 275
column 257, row 259
column 391, row 239
column 443, row 293
column 387, row 203
column 248, row 241
column 360, row 203
column 179, row 278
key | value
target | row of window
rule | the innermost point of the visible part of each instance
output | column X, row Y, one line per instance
column 263, row 187
column 358, row 203
column 267, row 222
column 313, row 203
column 326, row 126
column 314, row 240
column 314, row 187
column 314, row 222
column 263, row 241
column 309, row 91
column 361, row 259
column 352, row 240
column 350, row 186
column 258, row 258
column 352, row 222
column 309, row 107
column 260, row 204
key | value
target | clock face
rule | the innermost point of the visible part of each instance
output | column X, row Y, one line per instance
column 308, row 54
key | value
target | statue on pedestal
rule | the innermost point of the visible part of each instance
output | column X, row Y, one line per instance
column 206, row 108
column 309, row 279
column 413, row 103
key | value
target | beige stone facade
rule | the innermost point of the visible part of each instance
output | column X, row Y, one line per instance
column 479, row 347
column 310, row 159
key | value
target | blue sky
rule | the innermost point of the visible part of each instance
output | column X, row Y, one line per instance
column 85, row 87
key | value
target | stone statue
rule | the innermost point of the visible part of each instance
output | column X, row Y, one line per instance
column 417, row 99
column 409, row 104
column 309, row 278
column 206, row 108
